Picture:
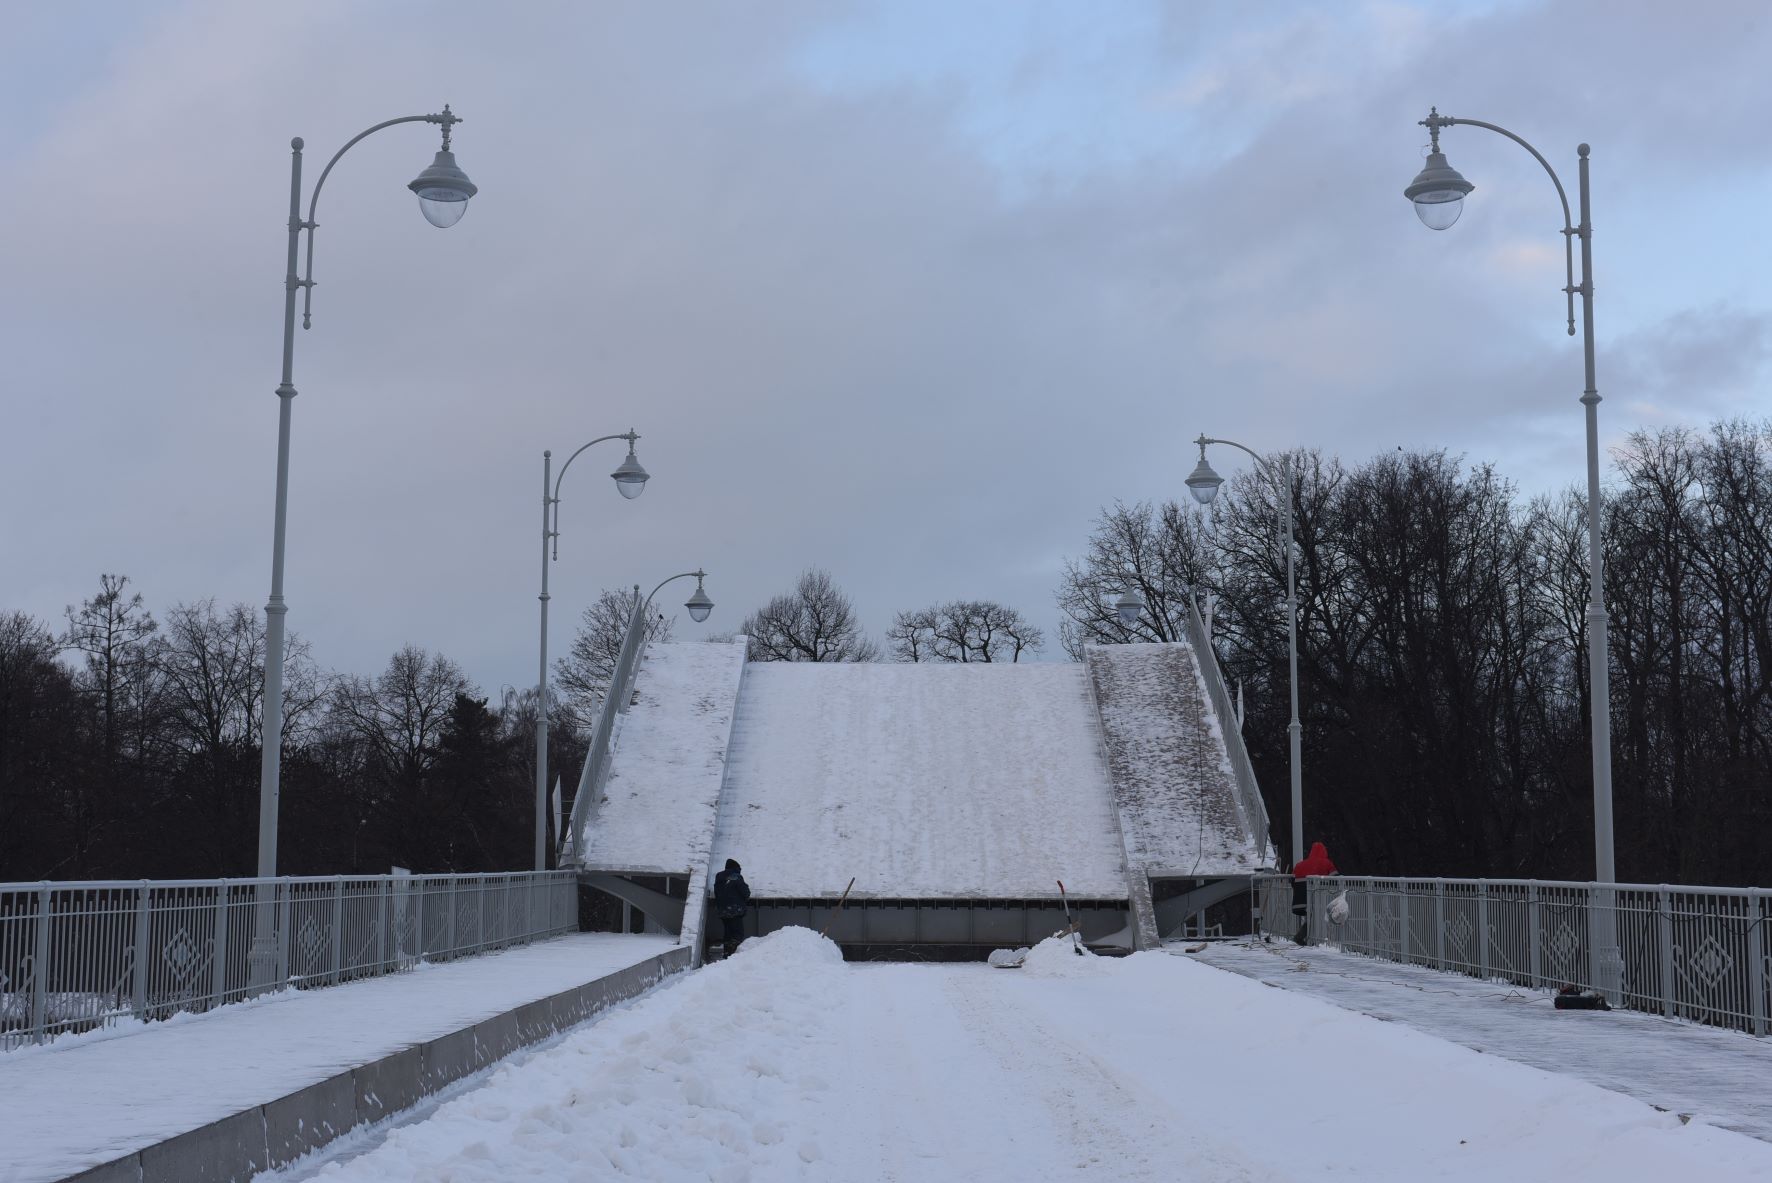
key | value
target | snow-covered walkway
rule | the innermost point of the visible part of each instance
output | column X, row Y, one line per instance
column 785, row 1063
column 90, row 1099
column 1721, row 1077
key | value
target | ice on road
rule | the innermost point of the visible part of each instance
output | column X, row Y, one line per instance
column 785, row 1063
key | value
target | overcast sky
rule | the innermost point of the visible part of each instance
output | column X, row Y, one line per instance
column 908, row 291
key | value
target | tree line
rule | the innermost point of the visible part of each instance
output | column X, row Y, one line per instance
column 130, row 747
column 1443, row 648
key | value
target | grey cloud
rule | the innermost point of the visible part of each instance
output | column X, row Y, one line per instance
column 845, row 337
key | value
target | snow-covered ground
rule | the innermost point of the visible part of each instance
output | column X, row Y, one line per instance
column 1722, row 1077
column 785, row 1063
column 657, row 808
column 1173, row 784
column 919, row 781
column 87, row 1100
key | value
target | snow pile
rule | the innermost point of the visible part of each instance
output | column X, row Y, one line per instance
column 783, row 949
column 708, row 1079
column 1056, row 957
column 1007, row 958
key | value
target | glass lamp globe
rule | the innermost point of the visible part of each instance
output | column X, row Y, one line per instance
column 1203, row 482
column 630, row 478
column 698, row 604
column 1129, row 608
column 443, row 191
column 1438, row 192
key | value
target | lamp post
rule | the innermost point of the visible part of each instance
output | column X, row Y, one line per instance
column 1438, row 193
column 1204, row 483
column 631, row 480
column 443, row 191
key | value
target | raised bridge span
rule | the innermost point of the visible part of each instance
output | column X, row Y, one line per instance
column 956, row 796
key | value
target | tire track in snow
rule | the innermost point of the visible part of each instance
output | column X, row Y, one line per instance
column 1118, row 1129
column 939, row 1110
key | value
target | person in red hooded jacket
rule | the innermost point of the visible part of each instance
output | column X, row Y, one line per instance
column 1317, row 862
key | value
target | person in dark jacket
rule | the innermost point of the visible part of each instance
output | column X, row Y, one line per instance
column 1317, row 862
column 732, row 899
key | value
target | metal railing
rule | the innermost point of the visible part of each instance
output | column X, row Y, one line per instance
column 1242, row 772
column 1273, row 902
column 76, row 956
column 1698, row 953
column 615, row 704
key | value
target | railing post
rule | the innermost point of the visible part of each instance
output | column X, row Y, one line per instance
column 381, row 926
column 40, row 967
column 1665, row 925
column 218, row 947
column 1756, row 961
column 1403, row 921
column 449, row 950
column 418, row 923
column 1533, row 929
column 139, row 959
column 1439, row 924
column 338, row 930
column 285, row 909
column 480, row 918
column 1483, row 928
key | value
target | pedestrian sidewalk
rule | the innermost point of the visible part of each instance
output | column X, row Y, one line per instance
column 1721, row 1077
column 92, row 1099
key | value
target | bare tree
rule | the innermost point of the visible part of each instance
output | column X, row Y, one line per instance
column 399, row 715
column 583, row 674
column 814, row 622
column 116, row 633
column 1159, row 552
column 912, row 635
column 213, row 664
column 963, row 630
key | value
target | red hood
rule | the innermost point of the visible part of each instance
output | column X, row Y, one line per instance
column 1317, row 862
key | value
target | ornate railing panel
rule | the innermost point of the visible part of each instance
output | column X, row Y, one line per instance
column 1698, row 953
column 77, row 956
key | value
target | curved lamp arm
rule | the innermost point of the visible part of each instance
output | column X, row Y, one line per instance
column 1283, row 473
column 698, row 574
column 1435, row 121
column 448, row 119
column 629, row 435
column 1266, row 464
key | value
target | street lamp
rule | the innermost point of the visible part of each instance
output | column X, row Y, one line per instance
column 630, row 479
column 698, row 603
column 1203, row 482
column 1438, row 193
column 443, row 185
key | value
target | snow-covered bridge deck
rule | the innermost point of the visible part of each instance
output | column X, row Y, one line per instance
column 197, row 1096
column 1068, row 1069
column 1711, row 1075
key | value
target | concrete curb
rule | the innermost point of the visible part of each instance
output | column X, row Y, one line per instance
column 276, row 1133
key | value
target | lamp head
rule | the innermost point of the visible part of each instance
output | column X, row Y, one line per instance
column 1203, row 482
column 443, row 189
column 1438, row 190
column 630, row 478
column 698, row 604
column 1129, row 607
